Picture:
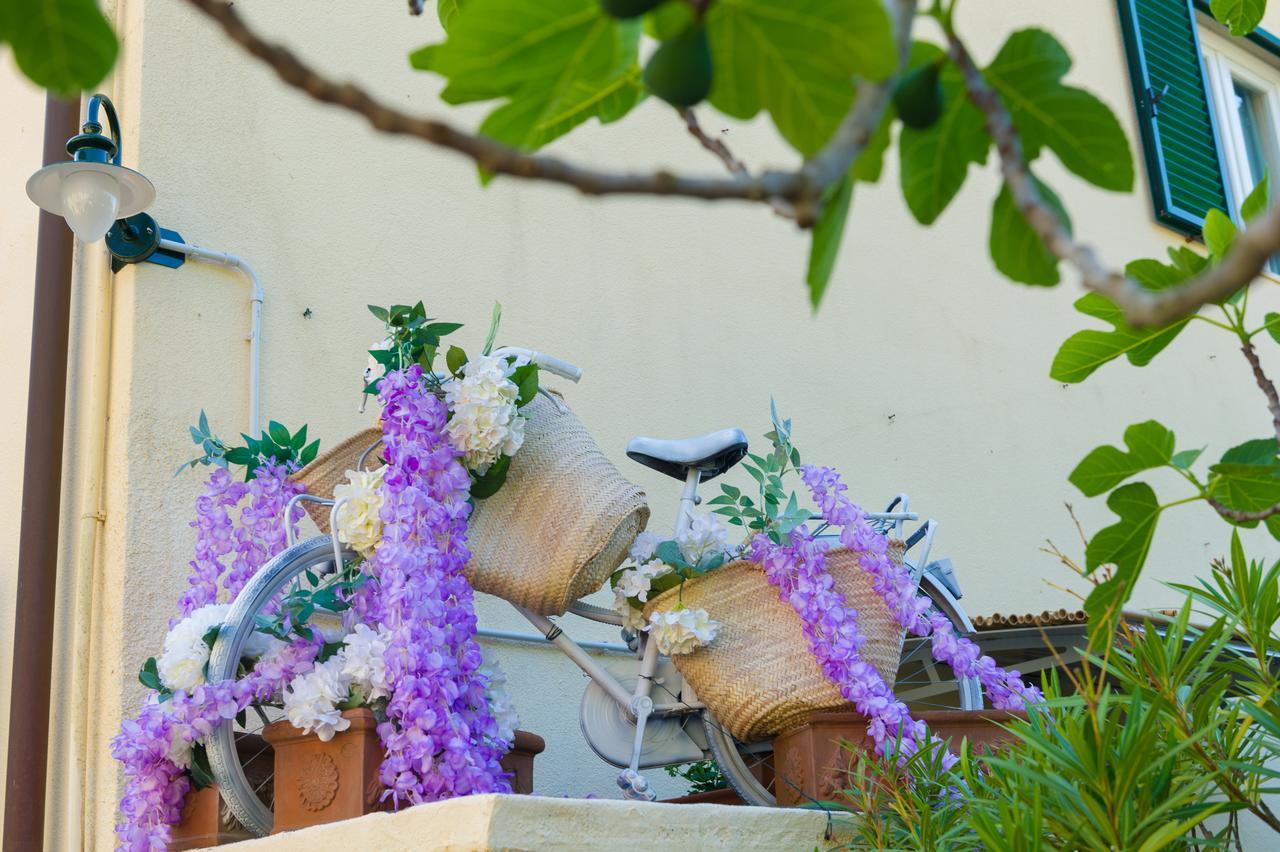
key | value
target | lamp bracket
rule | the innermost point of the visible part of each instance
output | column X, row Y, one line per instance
column 136, row 239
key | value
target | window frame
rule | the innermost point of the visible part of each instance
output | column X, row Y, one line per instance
column 1225, row 63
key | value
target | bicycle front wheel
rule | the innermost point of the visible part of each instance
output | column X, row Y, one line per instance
column 923, row 684
column 236, row 751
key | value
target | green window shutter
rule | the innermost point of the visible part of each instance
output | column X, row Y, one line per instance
column 1179, row 135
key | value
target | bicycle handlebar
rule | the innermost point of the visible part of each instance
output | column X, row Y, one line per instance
column 547, row 362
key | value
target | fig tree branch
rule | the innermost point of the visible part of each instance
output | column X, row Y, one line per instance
column 1141, row 307
column 802, row 188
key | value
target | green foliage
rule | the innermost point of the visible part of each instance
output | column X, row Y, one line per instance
column 703, row 776
column 1075, row 125
column 276, row 444
column 66, row 46
column 827, row 236
column 556, row 64
column 1248, row 479
column 1240, row 16
column 936, row 161
column 796, row 60
column 1125, row 545
column 1017, row 250
column 1086, row 351
column 1150, row 446
column 412, row 338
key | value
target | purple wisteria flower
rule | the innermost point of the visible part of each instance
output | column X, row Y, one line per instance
column 440, row 737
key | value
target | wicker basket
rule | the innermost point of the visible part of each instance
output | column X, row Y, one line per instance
column 557, row 529
column 759, row 677
column 329, row 470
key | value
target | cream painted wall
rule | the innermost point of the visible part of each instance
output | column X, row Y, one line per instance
column 924, row 371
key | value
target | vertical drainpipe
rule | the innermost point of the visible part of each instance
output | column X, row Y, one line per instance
column 41, row 491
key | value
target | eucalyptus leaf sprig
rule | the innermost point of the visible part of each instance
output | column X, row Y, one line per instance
column 276, row 444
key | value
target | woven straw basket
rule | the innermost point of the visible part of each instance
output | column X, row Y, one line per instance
column 329, row 470
column 557, row 529
column 759, row 677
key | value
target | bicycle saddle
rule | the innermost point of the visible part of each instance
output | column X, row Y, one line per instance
column 712, row 454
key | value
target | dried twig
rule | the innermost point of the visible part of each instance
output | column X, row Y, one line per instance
column 1141, row 307
column 802, row 188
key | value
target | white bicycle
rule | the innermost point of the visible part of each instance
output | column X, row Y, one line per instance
column 637, row 713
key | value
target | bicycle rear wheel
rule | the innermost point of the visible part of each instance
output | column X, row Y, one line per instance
column 922, row 683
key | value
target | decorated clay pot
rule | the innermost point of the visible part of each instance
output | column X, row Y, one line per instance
column 816, row 764
column 318, row 782
column 206, row 820
column 519, row 761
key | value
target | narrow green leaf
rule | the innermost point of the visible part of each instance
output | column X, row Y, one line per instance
column 1257, row 201
column 827, row 236
column 1186, row 458
column 380, row 313
column 494, row 321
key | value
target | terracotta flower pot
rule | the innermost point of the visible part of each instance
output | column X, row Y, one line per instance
column 723, row 796
column 812, row 758
column 318, row 782
column 206, row 821
column 519, row 761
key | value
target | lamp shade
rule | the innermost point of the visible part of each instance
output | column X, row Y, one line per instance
column 90, row 195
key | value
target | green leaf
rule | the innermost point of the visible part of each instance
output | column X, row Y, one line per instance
column 494, row 320
column 1186, row 458
column 66, row 46
column 201, row 773
column 1240, row 16
column 1150, row 445
column 1247, row 478
column 525, row 378
column 1086, row 351
column 1017, row 250
column 446, row 11
column 483, row 487
column 827, row 236
column 380, row 313
column 299, row 439
column 797, row 61
column 1126, row 543
column 669, row 552
column 149, row 675
column 1273, row 325
column 1257, row 200
column 455, row 359
column 936, row 161
column 309, row 452
column 1075, row 125
column 558, row 63
column 1219, row 233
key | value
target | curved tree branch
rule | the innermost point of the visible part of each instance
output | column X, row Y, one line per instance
column 1141, row 307
column 802, row 189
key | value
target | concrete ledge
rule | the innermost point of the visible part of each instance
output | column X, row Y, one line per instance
column 533, row 822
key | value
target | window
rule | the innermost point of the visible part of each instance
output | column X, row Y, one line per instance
column 1245, row 93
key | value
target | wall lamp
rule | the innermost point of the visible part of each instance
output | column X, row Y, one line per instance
column 101, row 198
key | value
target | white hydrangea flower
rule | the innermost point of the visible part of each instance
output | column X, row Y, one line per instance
column 683, row 630
column 636, row 582
column 485, row 423
column 311, row 700
column 632, row 618
column 500, row 706
column 181, row 666
column 642, row 549
column 365, row 662
column 706, row 534
column 359, row 523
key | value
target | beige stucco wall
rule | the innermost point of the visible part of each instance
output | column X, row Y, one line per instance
column 924, row 371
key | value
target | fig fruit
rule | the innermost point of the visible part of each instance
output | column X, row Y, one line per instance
column 679, row 71
column 918, row 96
column 629, row 8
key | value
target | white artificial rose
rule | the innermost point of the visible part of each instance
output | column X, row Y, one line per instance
column 681, row 631
column 311, row 700
column 359, row 523
column 642, row 549
column 365, row 663
column 705, row 535
column 181, row 665
column 484, row 422
column 500, row 706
